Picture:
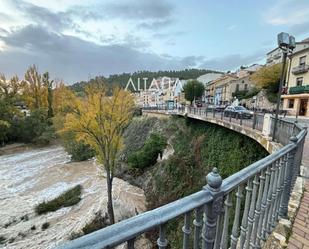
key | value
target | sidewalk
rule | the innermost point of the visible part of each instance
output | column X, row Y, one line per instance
column 300, row 233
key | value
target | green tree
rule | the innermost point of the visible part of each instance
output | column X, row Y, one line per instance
column 193, row 90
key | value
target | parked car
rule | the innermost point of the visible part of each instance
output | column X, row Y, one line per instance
column 237, row 112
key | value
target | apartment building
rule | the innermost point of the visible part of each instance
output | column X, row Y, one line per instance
column 296, row 101
column 206, row 79
column 276, row 55
column 219, row 89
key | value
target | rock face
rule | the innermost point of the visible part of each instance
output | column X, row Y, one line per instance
column 30, row 177
column 261, row 102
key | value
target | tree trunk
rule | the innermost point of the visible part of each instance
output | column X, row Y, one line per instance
column 110, row 208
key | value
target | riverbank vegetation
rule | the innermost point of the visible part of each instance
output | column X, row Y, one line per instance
column 67, row 199
column 197, row 148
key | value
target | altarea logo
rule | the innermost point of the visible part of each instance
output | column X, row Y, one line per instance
column 162, row 83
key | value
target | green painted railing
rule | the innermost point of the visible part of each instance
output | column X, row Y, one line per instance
column 299, row 89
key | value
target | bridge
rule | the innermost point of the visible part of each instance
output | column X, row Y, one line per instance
column 262, row 191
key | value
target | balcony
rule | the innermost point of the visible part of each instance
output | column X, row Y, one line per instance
column 299, row 89
column 277, row 56
column 269, row 60
column 300, row 69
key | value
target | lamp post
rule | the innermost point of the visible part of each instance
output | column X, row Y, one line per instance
column 286, row 43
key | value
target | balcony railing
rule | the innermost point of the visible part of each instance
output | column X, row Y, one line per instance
column 299, row 89
column 300, row 69
column 261, row 192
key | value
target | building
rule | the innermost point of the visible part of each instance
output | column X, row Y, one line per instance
column 275, row 56
column 160, row 92
column 219, row 90
column 245, row 71
column 241, row 84
column 296, row 101
column 206, row 79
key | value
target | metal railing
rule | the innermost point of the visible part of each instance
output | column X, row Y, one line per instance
column 300, row 69
column 261, row 193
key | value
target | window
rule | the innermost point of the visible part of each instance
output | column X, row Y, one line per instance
column 246, row 87
column 299, row 81
column 302, row 61
column 237, row 87
column 291, row 103
column 242, row 81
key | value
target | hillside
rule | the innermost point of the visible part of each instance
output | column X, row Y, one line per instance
column 122, row 79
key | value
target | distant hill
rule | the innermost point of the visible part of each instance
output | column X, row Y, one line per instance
column 122, row 79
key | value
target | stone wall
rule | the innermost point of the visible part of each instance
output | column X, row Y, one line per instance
column 261, row 102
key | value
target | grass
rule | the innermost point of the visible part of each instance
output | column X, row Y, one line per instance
column 68, row 198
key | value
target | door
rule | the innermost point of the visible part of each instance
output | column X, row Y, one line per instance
column 303, row 107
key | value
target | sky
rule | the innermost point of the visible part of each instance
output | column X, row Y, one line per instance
column 78, row 39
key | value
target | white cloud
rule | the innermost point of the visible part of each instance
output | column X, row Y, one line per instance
column 288, row 12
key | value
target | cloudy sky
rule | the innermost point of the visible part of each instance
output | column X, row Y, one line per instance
column 78, row 39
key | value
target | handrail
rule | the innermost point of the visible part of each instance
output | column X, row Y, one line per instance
column 267, row 184
column 140, row 223
column 241, row 177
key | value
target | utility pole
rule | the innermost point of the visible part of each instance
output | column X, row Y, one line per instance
column 287, row 44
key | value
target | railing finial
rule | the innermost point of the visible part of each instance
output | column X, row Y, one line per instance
column 214, row 180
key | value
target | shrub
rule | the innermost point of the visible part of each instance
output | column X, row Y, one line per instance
column 68, row 198
column 2, row 239
column 148, row 154
column 78, row 150
column 45, row 225
column 97, row 223
column 32, row 129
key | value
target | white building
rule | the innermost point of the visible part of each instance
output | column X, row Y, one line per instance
column 276, row 56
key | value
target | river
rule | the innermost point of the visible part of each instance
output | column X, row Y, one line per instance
column 30, row 176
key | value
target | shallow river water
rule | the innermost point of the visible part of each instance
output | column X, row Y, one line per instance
column 31, row 176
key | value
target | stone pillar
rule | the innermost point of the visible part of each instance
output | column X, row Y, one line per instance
column 296, row 106
column 267, row 125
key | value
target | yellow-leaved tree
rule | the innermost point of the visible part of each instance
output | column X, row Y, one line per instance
column 99, row 120
column 268, row 77
column 35, row 91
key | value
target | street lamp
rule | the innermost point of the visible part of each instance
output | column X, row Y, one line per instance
column 286, row 43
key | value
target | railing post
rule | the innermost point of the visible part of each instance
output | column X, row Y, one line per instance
column 240, row 118
column 222, row 115
column 206, row 111
column 212, row 209
column 254, row 121
column 288, row 174
column 162, row 241
column 213, row 112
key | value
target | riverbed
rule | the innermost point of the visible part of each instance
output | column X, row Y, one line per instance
column 30, row 176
